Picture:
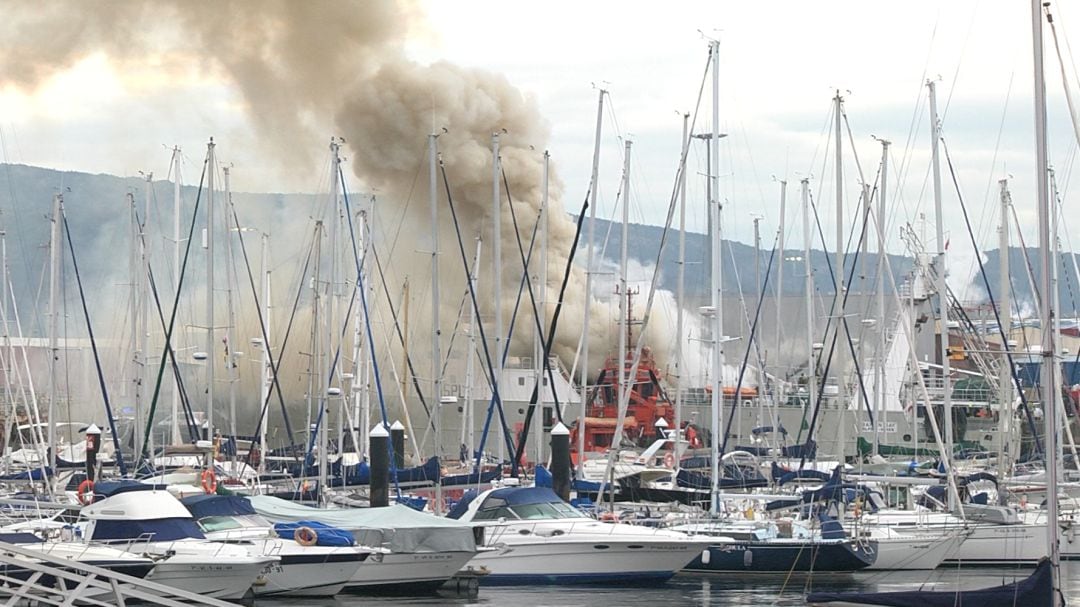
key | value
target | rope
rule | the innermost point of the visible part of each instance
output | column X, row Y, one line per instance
column 993, row 305
column 496, row 399
column 172, row 316
column 93, row 347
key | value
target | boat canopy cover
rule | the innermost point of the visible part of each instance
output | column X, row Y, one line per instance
column 153, row 530
column 106, row 489
column 1036, row 590
column 398, row 527
column 519, row 496
column 20, row 538
column 202, row 506
column 34, row 474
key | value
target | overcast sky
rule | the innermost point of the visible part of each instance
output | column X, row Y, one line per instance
column 781, row 63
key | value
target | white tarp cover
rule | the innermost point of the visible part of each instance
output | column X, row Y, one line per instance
column 397, row 527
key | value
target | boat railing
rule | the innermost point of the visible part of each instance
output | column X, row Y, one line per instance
column 50, row 547
column 545, row 528
column 130, row 544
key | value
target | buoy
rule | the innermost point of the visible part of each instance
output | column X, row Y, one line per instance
column 209, row 481
column 86, row 492
column 306, row 536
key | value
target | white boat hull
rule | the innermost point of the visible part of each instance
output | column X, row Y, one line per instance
column 912, row 552
column 221, row 579
column 590, row 561
column 411, row 573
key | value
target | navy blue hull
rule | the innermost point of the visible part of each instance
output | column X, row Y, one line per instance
column 784, row 557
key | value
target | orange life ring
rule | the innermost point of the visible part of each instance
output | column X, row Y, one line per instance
column 669, row 460
column 306, row 536
column 209, row 481
column 609, row 516
column 86, row 492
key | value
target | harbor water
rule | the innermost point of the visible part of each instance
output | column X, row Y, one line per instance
column 722, row 590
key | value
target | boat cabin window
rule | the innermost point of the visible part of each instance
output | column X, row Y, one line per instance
column 528, row 512
column 219, row 523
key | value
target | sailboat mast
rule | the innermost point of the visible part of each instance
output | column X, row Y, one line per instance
column 879, row 381
column 680, row 294
column 1048, row 373
column 1005, row 318
column 54, row 322
column 717, row 281
column 436, row 331
column 838, row 268
column 210, row 361
column 542, row 391
column 133, row 316
column 143, row 380
column 941, row 287
column 623, row 293
column 323, row 380
column 496, row 276
column 230, row 330
column 808, row 287
column 267, row 368
column 780, row 281
column 586, row 329
column 177, row 209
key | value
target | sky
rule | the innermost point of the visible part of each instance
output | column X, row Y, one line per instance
column 781, row 64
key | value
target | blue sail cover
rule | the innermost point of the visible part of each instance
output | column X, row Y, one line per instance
column 360, row 474
column 1034, row 591
column 202, row 506
column 33, row 474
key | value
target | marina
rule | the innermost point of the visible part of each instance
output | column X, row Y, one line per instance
column 478, row 354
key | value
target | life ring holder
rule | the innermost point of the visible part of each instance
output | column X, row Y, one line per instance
column 306, row 536
column 209, row 481
column 85, row 492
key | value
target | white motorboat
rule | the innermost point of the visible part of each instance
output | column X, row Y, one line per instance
column 146, row 519
column 304, row 570
column 415, row 552
column 539, row 539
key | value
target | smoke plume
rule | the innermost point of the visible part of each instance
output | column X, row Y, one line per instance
column 307, row 69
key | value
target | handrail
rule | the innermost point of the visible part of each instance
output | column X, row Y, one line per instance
column 85, row 582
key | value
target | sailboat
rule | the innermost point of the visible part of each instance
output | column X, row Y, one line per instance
column 1041, row 588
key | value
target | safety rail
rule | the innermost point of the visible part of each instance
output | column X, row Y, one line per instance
column 59, row 581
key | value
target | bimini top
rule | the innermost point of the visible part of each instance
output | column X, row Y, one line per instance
column 136, row 504
column 202, row 506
